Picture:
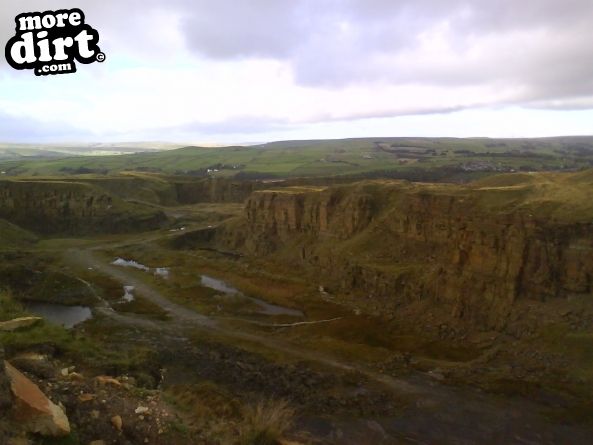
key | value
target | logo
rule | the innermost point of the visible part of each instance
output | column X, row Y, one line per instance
column 52, row 42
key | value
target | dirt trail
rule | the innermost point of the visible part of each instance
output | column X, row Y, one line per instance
column 188, row 318
column 462, row 415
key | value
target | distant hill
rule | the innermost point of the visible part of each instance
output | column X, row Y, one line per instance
column 367, row 157
column 33, row 151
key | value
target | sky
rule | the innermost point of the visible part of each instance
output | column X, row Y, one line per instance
column 229, row 71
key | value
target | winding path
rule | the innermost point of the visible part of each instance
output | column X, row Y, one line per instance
column 462, row 415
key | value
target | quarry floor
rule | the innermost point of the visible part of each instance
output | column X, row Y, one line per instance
column 340, row 399
column 345, row 375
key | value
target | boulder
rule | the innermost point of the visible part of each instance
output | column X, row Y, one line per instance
column 18, row 323
column 32, row 409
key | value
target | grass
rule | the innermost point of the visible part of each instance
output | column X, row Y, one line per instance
column 204, row 401
column 574, row 345
column 71, row 439
column 208, row 408
column 43, row 333
column 222, row 418
column 331, row 157
column 364, row 339
column 12, row 236
column 112, row 291
column 95, row 348
column 266, row 422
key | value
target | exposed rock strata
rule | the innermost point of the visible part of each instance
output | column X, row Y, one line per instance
column 76, row 208
column 475, row 251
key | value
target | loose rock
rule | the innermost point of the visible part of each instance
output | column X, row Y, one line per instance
column 18, row 323
column 33, row 409
column 141, row 410
column 117, row 422
column 106, row 380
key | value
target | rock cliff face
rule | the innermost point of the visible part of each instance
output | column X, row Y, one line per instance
column 69, row 207
column 474, row 250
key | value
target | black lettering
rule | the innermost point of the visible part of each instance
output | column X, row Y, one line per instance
column 53, row 36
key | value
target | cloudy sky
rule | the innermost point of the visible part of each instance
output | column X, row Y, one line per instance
column 257, row 70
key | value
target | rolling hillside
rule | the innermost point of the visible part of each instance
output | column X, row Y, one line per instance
column 360, row 157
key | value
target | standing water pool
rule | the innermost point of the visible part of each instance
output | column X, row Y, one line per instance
column 67, row 316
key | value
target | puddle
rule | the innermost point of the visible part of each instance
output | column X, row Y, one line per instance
column 162, row 272
column 67, row 316
column 218, row 285
column 265, row 307
column 128, row 294
column 130, row 263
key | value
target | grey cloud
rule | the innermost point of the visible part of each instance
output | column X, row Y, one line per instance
column 24, row 129
column 229, row 29
column 548, row 49
column 337, row 43
column 236, row 125
column 122, row 24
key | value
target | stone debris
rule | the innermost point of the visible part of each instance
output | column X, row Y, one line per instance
column 141, row 410
column 106, row 380
column 76, row 377
column 86, row 397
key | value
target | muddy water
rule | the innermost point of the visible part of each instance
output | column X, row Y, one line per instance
column 265, row 307
column 67, row 316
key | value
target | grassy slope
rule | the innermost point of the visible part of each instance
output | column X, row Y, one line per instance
column 12, row 236
column 334, row 157
column 557, row 196
column 561, row 196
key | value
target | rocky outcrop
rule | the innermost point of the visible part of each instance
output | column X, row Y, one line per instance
column 49, row 206
column 472, row 250
column 32, row 409
column 18, row 323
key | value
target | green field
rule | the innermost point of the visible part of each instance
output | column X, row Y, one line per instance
column 358, row 157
